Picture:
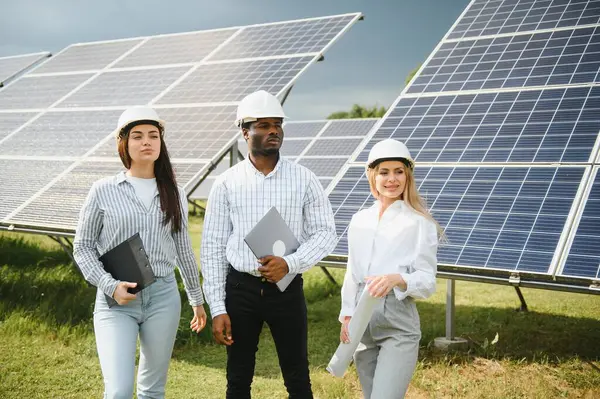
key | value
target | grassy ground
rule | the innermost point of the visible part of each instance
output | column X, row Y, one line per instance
column 47, row 347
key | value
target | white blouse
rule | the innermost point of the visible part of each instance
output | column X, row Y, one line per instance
column 402, row 241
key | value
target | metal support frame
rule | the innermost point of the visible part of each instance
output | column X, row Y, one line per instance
column 329, row 276
column 450, row 288
column 196, row 207
column 523, row 307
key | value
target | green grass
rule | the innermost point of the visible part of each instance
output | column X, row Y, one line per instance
column 47, row 347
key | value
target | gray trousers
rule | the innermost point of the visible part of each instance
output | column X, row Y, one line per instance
column 387, row 354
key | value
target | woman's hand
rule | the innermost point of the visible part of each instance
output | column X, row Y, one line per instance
column 380, row 286
column 121, row 295
column 199, row 320
column 345, row 333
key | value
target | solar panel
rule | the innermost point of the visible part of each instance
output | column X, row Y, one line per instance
column 87, row 56
column 13, row 65
column 485, row 17
column 176, row 49
column 495, row 217
column 322, row 146
column 63, row 112
column 583, row 258
column 551, row 125
column 548, row 58
column 125, row 88
column 503, row 121
column 298, row 37
column 61, row 134
column 37, row 92
column 233, row 81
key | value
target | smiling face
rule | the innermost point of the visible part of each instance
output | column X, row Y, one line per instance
column 143, row 143
column 264, row 136
column 390, row 179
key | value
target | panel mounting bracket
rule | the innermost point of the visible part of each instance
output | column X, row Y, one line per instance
column 514, row 279
column 595, row 286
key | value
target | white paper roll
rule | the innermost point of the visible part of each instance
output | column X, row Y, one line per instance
column 358, row 324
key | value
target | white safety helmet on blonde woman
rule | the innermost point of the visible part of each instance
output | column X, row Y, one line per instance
column 139, row 114
column 389, row 150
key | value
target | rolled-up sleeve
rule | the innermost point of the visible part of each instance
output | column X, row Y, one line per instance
column 187, row 261
column 213, row 257
column 85, row 250
column 320, row 227
column 420, row 281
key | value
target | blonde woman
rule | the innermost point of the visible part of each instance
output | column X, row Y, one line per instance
column 392, row 252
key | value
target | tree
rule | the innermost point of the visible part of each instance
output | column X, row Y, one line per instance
column 358, row 111
column 412, row 74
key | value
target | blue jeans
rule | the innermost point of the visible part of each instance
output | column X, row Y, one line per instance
column 154, row 317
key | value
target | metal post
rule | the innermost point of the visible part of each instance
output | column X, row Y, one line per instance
column 233, row 154
column 523, row 307
column 450, row 285
column 450, row 341
column 329, row 276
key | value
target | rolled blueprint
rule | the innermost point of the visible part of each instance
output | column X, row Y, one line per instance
column 358, row 324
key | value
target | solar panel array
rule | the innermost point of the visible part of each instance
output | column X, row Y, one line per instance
column 503, row 120
column 57, row 120
column 323, row 146
column 13, row 65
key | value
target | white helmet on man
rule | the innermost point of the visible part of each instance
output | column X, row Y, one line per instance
column 259, row 104
column 389, row 150
column 138, row 113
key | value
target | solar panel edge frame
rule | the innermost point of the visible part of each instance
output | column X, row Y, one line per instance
column 43, row 56
column 558, row 273
column 378, row 124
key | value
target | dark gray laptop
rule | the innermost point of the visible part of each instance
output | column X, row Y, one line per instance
column 272, row 236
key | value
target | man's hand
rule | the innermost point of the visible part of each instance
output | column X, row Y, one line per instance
column 221, row 328
column 121, row 295
column 273, row 268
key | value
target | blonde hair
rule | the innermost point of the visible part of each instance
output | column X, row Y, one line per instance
column 410, row 196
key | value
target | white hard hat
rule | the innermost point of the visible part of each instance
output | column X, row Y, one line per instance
column 138, row 113
column 388, row 150
column 259, row 104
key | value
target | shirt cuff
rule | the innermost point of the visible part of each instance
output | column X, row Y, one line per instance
column 195, row 297
column 345, row 313
column 218, row 309
column 399, row 292
column 108, row 285
column 293, row 263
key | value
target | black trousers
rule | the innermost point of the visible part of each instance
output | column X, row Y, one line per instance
column 250, row 302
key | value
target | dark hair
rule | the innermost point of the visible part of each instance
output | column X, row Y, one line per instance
column 165, row 179
column 247, row 125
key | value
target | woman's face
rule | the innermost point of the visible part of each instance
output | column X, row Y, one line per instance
column 390, row 179
column 144, row 143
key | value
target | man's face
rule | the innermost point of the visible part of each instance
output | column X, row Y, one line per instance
column 265, row 136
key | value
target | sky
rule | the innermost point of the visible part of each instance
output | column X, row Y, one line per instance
column 367, row 65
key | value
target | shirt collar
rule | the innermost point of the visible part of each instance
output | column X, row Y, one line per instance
column 250, row 166
column 121, row 177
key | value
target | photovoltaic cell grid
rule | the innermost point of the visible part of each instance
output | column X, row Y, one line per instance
column 74, row 90
column 491, row 17
column 233, row 81
column 493, row 110
column 583, row 259
column 549, row 58
column 494, row 217
column 324, row 147
column 552, row 125
column 11, row 66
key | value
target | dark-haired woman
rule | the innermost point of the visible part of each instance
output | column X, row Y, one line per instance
column 143, row 199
